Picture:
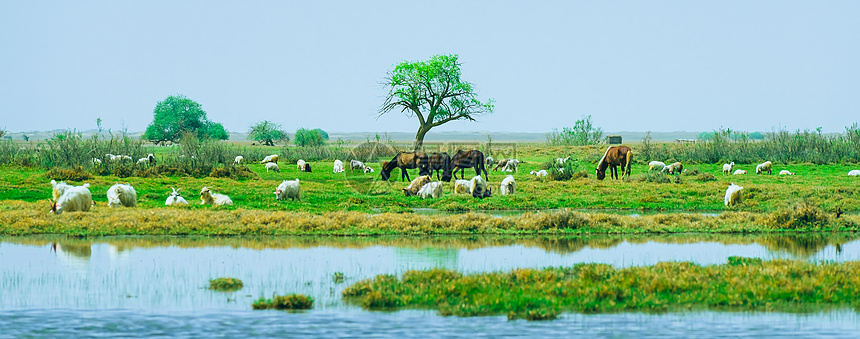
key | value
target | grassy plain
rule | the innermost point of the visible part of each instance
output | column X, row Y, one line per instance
column 348, row 203
column 742, row 284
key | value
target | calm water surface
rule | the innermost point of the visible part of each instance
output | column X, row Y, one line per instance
column 157, row 286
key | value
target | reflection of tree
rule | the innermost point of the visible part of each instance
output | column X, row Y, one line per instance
column 805, row 245
column 565, row 245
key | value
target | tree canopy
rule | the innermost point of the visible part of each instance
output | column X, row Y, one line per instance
column 267, row 133
column 433, row 92
column 178, row 114
column 310, row 137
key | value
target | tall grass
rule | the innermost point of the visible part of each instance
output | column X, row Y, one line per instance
column 779, row 146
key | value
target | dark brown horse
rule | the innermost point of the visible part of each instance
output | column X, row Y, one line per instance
column 466, row 159
column 441, row 162
column 615, row 156
column 404, row 161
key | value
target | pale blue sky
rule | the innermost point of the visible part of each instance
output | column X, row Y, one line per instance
column 632, row 65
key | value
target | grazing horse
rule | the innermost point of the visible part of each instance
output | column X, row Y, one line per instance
column 404, row 161
column 615, row 156
column 441, row 161
column 467, row 159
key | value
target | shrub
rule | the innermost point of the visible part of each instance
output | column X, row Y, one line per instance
column 804, row 214
column 306, row 137
column 225, row 284
column 583, row 133
column 285, row 302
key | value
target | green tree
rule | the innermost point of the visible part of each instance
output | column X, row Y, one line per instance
column 308, row 137
column 433, row 92
column 323, row 134
column 582, row 133
column 178, row 114
column 756, row 136
column 267, row 133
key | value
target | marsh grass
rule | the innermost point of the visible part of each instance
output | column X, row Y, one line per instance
column 284, row 302
column 225, row 284
column 743, row 284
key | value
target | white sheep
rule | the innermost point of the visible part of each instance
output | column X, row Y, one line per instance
column 416, row 185
column 125, row 157
column 58, row 188
column 338, row 166
column 561, row 161
column 542, row 173
column 270, row 158
column 289, row 190
column 355, row 164
column 300, row 164
column 764, row 167
column 739, row 172
column 367, row 169
column 272, row 166
column 785, row 172
column 121, row 195
column 77, row 198
column 238, row 160
column 142, row 161
column 462, row 186
column 656, row 165
column 488, row 161
column 854, row 173
column 727, row 168
column 479, row 187
column 175, row 199
column 97, row 161
column 733, row 195
column 209, row 198
column 431, row 190
column 674, row 168
column 511, row 165
column 509, row 185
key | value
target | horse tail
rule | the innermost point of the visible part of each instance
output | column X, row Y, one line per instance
column 629, row 161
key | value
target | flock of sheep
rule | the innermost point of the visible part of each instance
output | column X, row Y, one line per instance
column 69, row 198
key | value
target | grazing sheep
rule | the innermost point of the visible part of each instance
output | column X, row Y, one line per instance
column 368, row 170
column 561, row 161
column 509, row 185
column 733, row 195
column 58, row 189
column 270, row 158
column 656, row 165
column 175, row 199
column 238, row 160
column 675, row 168
column 739, row 172
column 542, row 173
column 431, row 190
column 489, row 161
column 125, row 157
column 764, row 167
column 854, row 173
column 462, row 186
column 785, row 172
column 209, row 198
column 300, row 164
column 142, row 161
column 479, row 187
column 77, row 198
column 355, row 164
column 289, row 190
column 272, row 166
column 97, row 161
column 501, row 164
column 338, row 166
column 416, row 185
column 307, row 168
column 121, row 195
column 727, row 168
column 507, row 165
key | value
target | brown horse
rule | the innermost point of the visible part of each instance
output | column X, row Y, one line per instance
column 615, row 156
column 467, row 159
column 404, row 161
column 441, row 162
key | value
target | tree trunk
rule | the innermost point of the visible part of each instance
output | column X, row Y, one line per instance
column 419, row 137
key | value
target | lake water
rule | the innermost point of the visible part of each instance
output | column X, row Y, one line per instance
column 158, row 286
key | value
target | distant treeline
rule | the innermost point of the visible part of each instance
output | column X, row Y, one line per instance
column 778, row 146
